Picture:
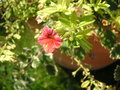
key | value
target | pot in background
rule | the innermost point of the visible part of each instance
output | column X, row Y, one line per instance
column 98, row 57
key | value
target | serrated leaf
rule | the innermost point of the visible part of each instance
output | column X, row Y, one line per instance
column 117, row 73
column 85, row 84
column 115, row 52
column 80, row 53
column 108, row 39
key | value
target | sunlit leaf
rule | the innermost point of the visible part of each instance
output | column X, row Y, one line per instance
column 115, row 52
column 35, row 63
column 85, row 84
column 85, row 23
column 108, row 39
column 17, row 36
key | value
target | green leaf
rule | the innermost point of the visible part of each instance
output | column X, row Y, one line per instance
column 65, row 22
column 86, row 18
column 102, row 5
column 80, row 2
column 65, row 46
column 51, row 69
column 67, row 34
column 85, row 23
column 35, row 63
column 8, row 13
column 118, row 21
column 91, row 1
column 115, row 52
column 98, row 1
column 80, row 53
column 108, row 39
column 96, row 88
column 42, row 1
column 17, row 36
column 85, row 84
column 63, row 2
column 2, row 38
column 85, row 45
column 84, row 32
column 73, row 17
column 117, row 73
column 23, row 64
column 47, row 11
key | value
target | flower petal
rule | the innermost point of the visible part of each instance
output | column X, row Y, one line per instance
column 50, row 47
column 49, row 39
column 57, row 44
column 45, row 31
column 57, row 38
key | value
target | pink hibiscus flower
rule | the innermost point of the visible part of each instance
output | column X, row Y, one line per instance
column 49, row 39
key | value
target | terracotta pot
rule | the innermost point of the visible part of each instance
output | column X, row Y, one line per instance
column 97, row 59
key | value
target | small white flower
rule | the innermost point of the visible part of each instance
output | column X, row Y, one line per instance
column 39, row 19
